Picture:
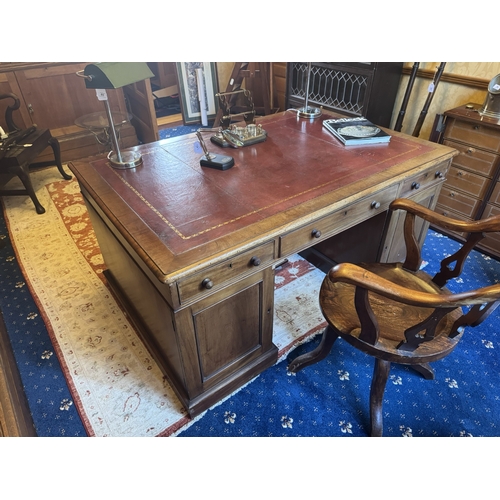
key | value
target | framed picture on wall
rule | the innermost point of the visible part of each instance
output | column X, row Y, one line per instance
column 188, row 90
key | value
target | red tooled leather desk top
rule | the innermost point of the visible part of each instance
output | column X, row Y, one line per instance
column 186, row 205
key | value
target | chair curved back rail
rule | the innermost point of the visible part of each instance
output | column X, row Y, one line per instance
column 397, row 312
column 11, row 126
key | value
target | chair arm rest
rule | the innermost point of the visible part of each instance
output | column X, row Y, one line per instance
column 492, row 224
column 357, row 276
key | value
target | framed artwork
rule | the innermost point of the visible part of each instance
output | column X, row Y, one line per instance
column 188, row 90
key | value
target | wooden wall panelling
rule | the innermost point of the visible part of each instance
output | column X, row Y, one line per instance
column 279, row 85
column 56, row 96
column 53, row 96
column 9, row 85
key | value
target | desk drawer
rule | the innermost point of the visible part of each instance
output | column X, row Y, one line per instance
column 337, row 222
column 474, row 134
column 211, row 278
column 471, row 158
column 422, row 181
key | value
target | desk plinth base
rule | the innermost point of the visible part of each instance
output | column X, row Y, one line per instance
column 225, row 388
column 197, row 404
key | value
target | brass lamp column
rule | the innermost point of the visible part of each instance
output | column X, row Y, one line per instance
column 308, row 111
column 112, row 75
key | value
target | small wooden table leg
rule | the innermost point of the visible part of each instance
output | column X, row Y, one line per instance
column 24, row 175
column 54, row 144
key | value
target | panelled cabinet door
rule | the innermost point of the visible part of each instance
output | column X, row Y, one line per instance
column 140, row 99
column 228, row 329
column 8, row 85
column 55, row 96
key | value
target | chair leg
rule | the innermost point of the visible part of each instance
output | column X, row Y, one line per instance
column 54, row 144
column 380, row 376
column 425, row 370
column 321, row 352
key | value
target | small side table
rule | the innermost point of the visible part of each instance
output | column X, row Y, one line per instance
column 98, row 124
column 18, row 160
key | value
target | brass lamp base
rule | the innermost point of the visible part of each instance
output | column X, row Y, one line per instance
column 124, row 160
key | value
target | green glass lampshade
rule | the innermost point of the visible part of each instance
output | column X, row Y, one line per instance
column 114, row 75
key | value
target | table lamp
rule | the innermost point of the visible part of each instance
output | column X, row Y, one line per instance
column 308, row 111
column 491, row 106
column 114, row 75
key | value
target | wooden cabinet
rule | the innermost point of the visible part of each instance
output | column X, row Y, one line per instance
column 356, row 89
column 472, row 186
column 53, row 96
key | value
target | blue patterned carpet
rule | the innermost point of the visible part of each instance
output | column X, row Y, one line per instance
column 167, row 133
column 331, row 398
column 327, row 399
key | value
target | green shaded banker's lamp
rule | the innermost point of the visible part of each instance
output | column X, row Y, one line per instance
column 114, row 75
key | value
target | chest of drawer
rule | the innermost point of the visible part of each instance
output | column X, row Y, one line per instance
column 335, row 223
column 214, row 277
column 495, row 195
column 459, row 202
column 476, row 160
column 491, row 242
column 473, row 134
column 467, row 182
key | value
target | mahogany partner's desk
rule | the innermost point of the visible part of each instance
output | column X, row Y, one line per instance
column 191, row 251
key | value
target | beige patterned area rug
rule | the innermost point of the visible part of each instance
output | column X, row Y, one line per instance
column 117, row 387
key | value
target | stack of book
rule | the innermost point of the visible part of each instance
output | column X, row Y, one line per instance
column 356, row 131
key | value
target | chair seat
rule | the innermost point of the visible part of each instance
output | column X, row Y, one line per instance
column 337, row 303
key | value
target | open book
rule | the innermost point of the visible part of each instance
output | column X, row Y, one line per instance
column 354, row 131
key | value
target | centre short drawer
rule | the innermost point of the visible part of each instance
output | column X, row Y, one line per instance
column 323, row 228
column 213, row 277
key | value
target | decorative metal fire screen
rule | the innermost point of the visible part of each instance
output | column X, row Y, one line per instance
column 355, row 89
column 332, row 88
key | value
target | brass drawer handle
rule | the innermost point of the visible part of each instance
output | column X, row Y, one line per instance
column 460, row 173
column 255, row 261
column 316, row 233
column 470, row 151
column 207, row 283
column 375, row 204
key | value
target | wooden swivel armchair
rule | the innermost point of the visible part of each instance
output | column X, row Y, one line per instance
column 398, row 313
column 20, row 149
